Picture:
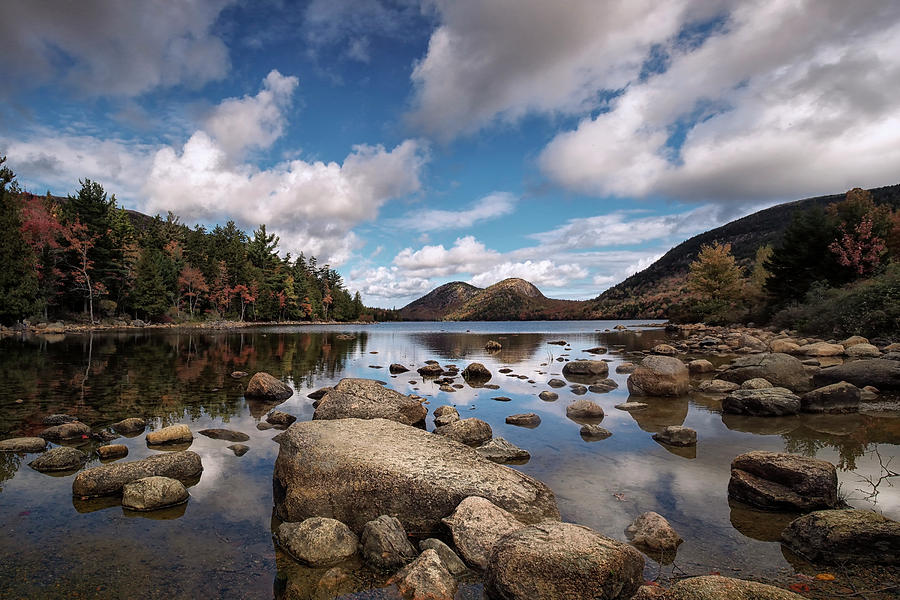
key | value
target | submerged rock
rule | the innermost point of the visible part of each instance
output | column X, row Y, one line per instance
column 385, row 545
column 778, row 481
column 107, row 480
column 319, row 393
column 317, row 541
column 715, row 587
column 228, row 435
column 369, row 399
column 676, row 435
column 470, row 431
column 239, row 449
column 498, row 450
column 277, row 418
column 626, row 368
column 548, row 396
column 152, row 493
column 265, row 386
column 58, row 419
column 425, row 578
column 396, row 369
column 585, row 371
column 430, row 370
column 766, row 402
column 603, row 386
column 174, row 434
column 842, row 536
column 23, row 444
column 659, row 376
column 700, row 366
column 653, row 531
column 130, row 426
column 524, row 420
column 594, row 433
column 556, row 383
column 476, row 526
column 62, row 458
column 354, row 470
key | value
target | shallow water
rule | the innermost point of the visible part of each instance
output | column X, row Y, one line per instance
column 219, row 544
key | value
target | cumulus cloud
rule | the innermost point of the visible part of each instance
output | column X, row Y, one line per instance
column 387, row 283
column 351, row 23
column 542, row 273
column 467, row 255
column 144, row 45
column 490, row 207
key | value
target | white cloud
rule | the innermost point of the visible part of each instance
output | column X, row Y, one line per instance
column 387, row 283
column 490, row 207
column 542, row 273
column 467, row 255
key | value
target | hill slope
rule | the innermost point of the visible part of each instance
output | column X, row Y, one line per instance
column 434, row 305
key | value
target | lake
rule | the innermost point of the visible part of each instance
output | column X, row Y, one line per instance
column 220, row 543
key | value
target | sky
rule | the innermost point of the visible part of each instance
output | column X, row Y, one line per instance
column 411, row 143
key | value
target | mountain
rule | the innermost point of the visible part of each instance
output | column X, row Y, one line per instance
column 648, row 294
column 508, row 300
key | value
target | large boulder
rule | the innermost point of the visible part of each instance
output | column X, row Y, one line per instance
column 841, row 536
column 765, row 402
column 863, row 351
column 66, row 431
column 23, row 444
column 821, row 349
column 62, row 458
column 716, row 587
column 783, row 482
column 107, row 480
column 841, row 397
column 425, row 578
column 659, row 376
column 153, row 493
column 781, row 370
column 652, row 530
column 476, row 374
column 369, row 399
column 476, row 526
column 472, row 431
column 317, row 541
column 878, row 372
column 385, row 544
column 558, row 561
column 264, row 386
column 585, row 371
column 173, row 434
column 354, row 470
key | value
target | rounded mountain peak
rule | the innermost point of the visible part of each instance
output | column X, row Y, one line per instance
column 519, row 286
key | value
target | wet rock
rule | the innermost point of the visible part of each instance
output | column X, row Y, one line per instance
column 584, row 409
column 493, row 346
column 653, row 531
column 649, row 592
column 130, row 426
column 499, row 450
column 239, row 374
column 578, row 390
column 524, row 420
column 23, row 444
column 112, row 451
column 476, row 526
column 448, row 557
column 677, row 435
column 317, row 541
column 354, row 470
column 767, row 402
column 664, row 349
column 863, row 351
column 700, row 366
column 585, row 371
column 228, row 435
column 757, row 383
column 174, row 434
column 839, row 397
column 280, row 419
column 781, row 370
column 502, row 398
column 627, row 406
column 263, row 385
column 562, row 560
column 596, row 350
column 369, row 399
column 104, row 437
column 556, row 383
column 845, row 536
column 319, row 393
column 717, row 386
column 430, row 371
column 58, row 419
column 425, row 578
column 879, row 372
column 715, row 587
column 448, row 389
column 476, row 373
column 778, row 481
column 152, row 493
column 239, row 449
column 594, row 433
column 385, row 545
column 396, row 369
column 821, row 349
column 659, row 376
column 110, row 479
column 444, row 415
column 62, row 458
column 626, row 367
column 603, row 386
column 472, row 432
column 66, row 431
column 548, row 396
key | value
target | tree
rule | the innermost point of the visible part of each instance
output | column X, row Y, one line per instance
column 860, row 249
column 42, row 231
column 714, row 274
column 18, row 282
column 150, row 294
column 245, row 295
column 192, row 285
column 220, row 292
column 81, row 268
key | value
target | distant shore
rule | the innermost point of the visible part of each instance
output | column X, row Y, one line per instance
column 60, row 327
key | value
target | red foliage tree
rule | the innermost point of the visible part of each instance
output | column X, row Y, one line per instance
column 860, row 249
column 81, row 267
column 192, row 285
column 220, row 293
column 245, row 295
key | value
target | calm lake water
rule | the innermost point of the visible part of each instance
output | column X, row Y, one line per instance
column 219, row 544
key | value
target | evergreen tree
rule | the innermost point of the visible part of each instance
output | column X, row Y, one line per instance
column 18, row 283
column 149, row 295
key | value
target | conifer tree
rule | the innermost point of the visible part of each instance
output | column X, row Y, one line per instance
column 18, row 283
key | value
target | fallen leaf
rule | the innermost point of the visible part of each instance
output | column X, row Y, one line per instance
column 825, row 577
column 798, row 587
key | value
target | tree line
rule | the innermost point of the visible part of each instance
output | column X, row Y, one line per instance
column 86, row 257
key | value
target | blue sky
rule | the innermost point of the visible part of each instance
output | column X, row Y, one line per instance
column 411, row 143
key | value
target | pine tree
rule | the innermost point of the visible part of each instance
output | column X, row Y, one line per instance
column 18, row 283
column 150, row 294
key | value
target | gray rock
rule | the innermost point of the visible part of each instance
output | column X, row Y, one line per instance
column 263, row 385
column 717, row 386
column 778, row 481
column 845, row 536
column 66, row 431
column 677, row 435
column 430, row 370
column 659, row 376
column 444, row 415
column 524, row 420
column 863, row 351
column 594, row 433
column 556, row 383
column 839, row 397
column 781, row 370
column 317, row 541
column 603, row 386
column 228, row 435
column 280, row 419
column 584, row 409
column 385, row 545
column 498, row 450
column 476, row 373
column 130, row 426
column 770, row 402
column 578, row 389
column 472, row 432
column 596, row 350
column 476, row 526
column 112, row 451
column 319, row 393
column 715, row 587
column 174, row 434
column 239, row 449
column 452, row 562
column 626, row 367
column 585, row 371
column 62, row 458
column 58, row 419
column 629, row 406
column 396, row 369
column 107, row 480
column 368, row 399
column 701, row 366
column 757, row 383
column 558, row 561
column 548, row 396
column 425, row 578
column 653, row 531
column 152, row 493
column 879, row 372
column 354, row 470
column 23, row 444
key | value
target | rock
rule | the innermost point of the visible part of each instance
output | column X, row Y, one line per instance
column 317, row 541
column 778, row 481
column 62, row 458
column 585, row 371
column 821, row 349
column 548, row 396
column 58, row 419
column 560, row 561
column 369, row 399
column 584, row 409
column 502, row 398
column 677, row 435
column 239, row 449
column 173, row 434
column 664, row 349
column 354, row 470
column 854, row 340
column 492, row 346
column 225, row 434
column 476, row 373
column 839, row 397
column 881, row 373
column 319, row 393
column 472, row 432
column 447, row 388
column 239, row 374
column 385, row 545
column 767, row 402
column 626, row 367
column 138, row 323
column 757, row 383
column 603, row 386
column 556, row 383
column 106, row 480
column 498, row 450
column 476, row 526
column 425, row 578
column 280, row 419
column 444, row 415
column 781, row 370
column 524, row 420
column 717, row 386
column 263, row 385
column 620, row 327
column 23, row 444
column 653, row 531
column 596, row 350
column 700, row 366
column 784, row 347
column 132, row 425
column 715, row 587
column 104, row 437
column 66, row 431
column 578, row 389
column 430, row 370
column 451, row 561
column 396, row 369
column 627, row 406
column 152, row 493
column 659, row 376
column 863, row 351
column 845, row 536
column 649, row 592
column 594, row 432
column 112, row 451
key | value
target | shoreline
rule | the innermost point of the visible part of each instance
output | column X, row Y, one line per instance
column 61, row 327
